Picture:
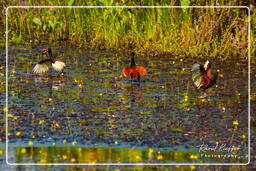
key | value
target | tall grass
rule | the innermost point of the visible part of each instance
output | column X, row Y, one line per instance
column 217, row 33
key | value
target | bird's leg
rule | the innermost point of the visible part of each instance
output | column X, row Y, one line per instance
column 131, row 77
column 205, row 94
column 139, row 77
column 62, row 74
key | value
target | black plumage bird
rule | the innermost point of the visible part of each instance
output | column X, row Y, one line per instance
column 42, row 66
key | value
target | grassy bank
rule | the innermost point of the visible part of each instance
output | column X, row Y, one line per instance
column 216, row 33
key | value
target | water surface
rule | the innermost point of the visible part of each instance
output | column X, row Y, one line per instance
column 94, row 111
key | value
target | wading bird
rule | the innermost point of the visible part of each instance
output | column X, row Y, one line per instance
column 134, row 71
column 42, row 66
column 202, row 76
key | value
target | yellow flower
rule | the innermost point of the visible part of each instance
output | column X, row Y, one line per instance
column 150, row 150
column 137, row 157
column 116, row 142
column 192, row 167
column 64, row 141
column 23, row 150
column 235, row 122
column 186, row 98
column 30, row 143
column 41, row 122
column 73, row 160
column 64, row 156
column 1, row 152
column 193, row 156
column 159, row 157
column 18, row 133
column 50, row 99
column 73, row 143
column 10, row 115
column 42, row 161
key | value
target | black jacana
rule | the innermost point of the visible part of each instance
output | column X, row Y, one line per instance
column 134, row 71
column 42, row 66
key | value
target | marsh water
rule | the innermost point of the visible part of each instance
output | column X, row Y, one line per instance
column 93, row 114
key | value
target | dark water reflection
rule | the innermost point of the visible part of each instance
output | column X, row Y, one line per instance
column 94, row 105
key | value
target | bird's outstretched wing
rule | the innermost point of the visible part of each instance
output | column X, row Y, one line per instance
column 58, row 65
column 41, row 66
column 134, row 69
column 127, row 71
column 196, row 78
column 199, row 76
column 141, row 70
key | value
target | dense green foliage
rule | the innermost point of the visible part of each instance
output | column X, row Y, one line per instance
column 221, row 33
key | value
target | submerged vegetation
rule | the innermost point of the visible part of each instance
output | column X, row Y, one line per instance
column 195, row 32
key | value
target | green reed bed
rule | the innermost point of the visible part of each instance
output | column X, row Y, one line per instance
column 220, row 33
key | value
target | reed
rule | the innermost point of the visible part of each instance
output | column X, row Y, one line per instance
column 216, row 33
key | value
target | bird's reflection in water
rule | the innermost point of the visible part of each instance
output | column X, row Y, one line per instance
column 135, row 92
column 52, row 83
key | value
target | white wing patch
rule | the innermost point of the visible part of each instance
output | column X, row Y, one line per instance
column 40, row 68
column 196, row 77
column 206, row 64
column 58, row 66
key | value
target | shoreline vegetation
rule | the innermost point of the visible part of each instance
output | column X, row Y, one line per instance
column 201, row 33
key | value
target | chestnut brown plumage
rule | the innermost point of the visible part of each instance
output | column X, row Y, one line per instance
column 134, row 71
column 202, row 76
